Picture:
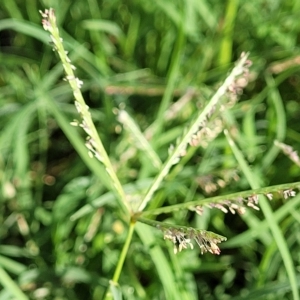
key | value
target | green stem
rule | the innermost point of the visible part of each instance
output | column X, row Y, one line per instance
column 118, row 270
column 124, row 252
column 225, row 54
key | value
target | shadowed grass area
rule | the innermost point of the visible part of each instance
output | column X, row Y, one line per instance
column 150, row 72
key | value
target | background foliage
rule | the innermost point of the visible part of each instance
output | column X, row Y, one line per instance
column 143, row 55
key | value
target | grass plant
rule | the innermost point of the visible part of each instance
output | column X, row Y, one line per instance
column 138, row 161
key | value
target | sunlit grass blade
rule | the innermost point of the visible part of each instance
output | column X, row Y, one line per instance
column 7, row 282
column 12, row 265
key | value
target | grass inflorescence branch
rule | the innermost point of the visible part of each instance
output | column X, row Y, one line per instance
column 93, row 141
column 289, row 151
column 182, row 236
column 231, row 87
column 236, row 202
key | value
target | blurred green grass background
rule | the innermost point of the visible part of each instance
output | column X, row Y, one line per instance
column 143, row 55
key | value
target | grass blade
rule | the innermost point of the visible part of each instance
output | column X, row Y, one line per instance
column 266, row 209
column 10, row 285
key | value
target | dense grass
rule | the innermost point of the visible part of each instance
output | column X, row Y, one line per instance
column 62, row 230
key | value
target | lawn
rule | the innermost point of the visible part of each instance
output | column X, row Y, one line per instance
column 148, row 149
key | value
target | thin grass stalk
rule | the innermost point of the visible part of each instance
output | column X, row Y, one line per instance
column 121, row 260
column 123, row 253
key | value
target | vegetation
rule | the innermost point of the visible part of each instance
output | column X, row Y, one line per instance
column 153, row 154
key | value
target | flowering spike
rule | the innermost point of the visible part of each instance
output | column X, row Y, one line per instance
column 289, row 151
column 182, row 237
